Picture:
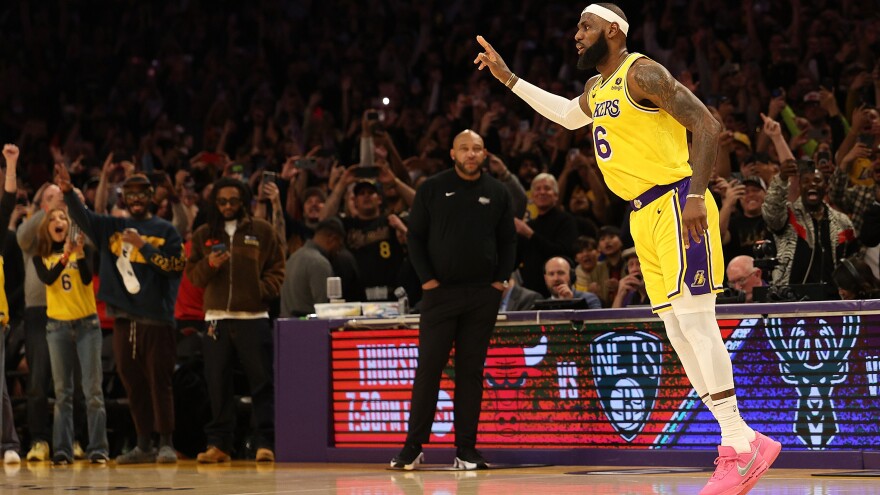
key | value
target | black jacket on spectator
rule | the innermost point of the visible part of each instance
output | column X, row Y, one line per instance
column 555, row 233
column 870, row 235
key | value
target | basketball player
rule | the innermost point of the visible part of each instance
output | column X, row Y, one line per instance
column 640, row 116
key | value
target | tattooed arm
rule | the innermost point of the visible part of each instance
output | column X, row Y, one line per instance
column 648, row 80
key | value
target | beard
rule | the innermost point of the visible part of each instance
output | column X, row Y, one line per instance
column 237, row 214
column 594, row 54
column 464, row 171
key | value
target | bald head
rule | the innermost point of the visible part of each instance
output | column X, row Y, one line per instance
column 743, row 263
column 466, row 135
column 742, row 275
column 468, row 153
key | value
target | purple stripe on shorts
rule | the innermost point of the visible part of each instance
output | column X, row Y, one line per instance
column 679, row 277
column 697, row 277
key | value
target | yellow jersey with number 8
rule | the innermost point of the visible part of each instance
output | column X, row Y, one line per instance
column 637, row 147
column 68, row 298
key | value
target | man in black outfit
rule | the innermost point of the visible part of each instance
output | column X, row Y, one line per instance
column 552, row 233
column 462, row 243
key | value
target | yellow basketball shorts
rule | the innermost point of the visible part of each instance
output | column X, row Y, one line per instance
column 667, row 267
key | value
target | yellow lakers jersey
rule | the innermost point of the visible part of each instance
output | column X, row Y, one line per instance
column 4, row 303
column 68, row 298
column 637, row 147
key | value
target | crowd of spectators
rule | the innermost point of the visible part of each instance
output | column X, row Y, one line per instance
column 339, row 109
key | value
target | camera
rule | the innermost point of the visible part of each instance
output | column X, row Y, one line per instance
column 764, row 252
column 731, row 296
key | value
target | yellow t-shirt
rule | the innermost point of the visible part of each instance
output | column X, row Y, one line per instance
column 4, row 304
column 861, row 172
column 637, row 147
column 68, row 298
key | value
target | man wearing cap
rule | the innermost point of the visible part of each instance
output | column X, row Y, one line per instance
column 306, row 272
column 239, row 261
column 141, row 260
column 640, row 117
column 742, row 146
column 740, row 219
column 369, row 236
column 760, row 165
column 301, row 230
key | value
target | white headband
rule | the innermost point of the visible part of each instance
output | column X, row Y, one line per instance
column 608, row 15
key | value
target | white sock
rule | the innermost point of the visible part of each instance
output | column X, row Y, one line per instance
column 707, row 399
column 734, row 432
column 123, row 264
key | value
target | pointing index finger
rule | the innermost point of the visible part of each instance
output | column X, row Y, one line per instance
column 482, row 41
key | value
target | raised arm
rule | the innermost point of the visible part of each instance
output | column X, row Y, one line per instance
column 7, row 203
column 571, row 114
column 648, row 80
column 331, row 206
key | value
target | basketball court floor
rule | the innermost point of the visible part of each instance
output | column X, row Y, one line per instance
column 370, row 479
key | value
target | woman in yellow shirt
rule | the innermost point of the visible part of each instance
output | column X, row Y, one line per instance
column 64, row 264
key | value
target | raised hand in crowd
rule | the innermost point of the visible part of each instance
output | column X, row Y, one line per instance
column 288, row 169
column 62, row 178
column 733, row 192
column 828, row 102
column 19, row 212
column 788, row 169
column 859, row 150
column 771, row 127
column 10, row 153
column 497, row 167
column 777, row 105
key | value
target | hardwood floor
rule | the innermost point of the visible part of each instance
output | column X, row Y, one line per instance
column 243, row 478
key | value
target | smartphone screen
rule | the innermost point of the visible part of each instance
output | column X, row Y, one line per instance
column 218, row 248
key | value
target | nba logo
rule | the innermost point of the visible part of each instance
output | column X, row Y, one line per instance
column 637, row 204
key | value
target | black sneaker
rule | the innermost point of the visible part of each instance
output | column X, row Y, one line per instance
column 469, row 458
column 61, row 459
column 409, row 457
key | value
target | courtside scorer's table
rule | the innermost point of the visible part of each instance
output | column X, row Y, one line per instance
column 591, row 387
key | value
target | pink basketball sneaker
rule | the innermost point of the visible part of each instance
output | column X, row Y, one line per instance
column 734, row 471
column 769, row 450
